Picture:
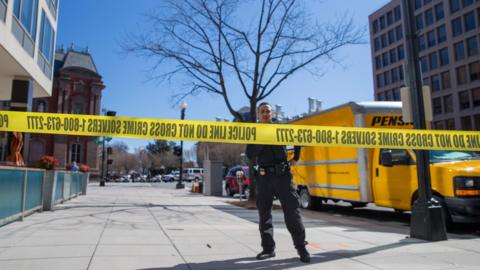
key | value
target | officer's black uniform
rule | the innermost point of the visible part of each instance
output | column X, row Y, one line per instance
column 274, row 178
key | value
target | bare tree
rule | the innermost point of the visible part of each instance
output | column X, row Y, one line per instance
column 219, row 52
column 210, row 43
column 229, row 154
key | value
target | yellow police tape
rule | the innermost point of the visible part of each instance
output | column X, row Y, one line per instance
column 233, row 132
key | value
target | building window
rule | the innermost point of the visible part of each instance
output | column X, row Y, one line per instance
column 395, row 76
column 3, row 10
column 378, row 62
column 400, row 71
column 75, row 153
column 476, row 97
column 421, row 43
column 433, row 60
column 437, row 106
column 375, row 26
column 431, row 39
column 397, row 13
column 461, row 75
column 467, row 2
column 401, row 52
column 450, row 124
column 426, row 2
column 385, row 59
column 475, row 71
column 382, row 22
column 379, row 80
column 393, row 56
column 459, row 51
column 78, row 107
column 469, row 21
column 472, row 46
column 457, row 27
column 388, row 95
column 418, row 4
column 386, row 77
column 381, row 96
column 389, row 18
column 441, row 34
column 439, row 13
column 26, row 12
column 476, row 119
column 464, row 100
column 399, row 32
column 41, row 106
column 454, row 6
column 383, row 39
column 428, row 17
column 47, row 38
column 396, row 94
column 376, row 44
column 53, row 5
column 444, row 60
column 435, row 83
column 391, row 37
column 423, row 64
column 448, row 103
column 419, row 22
column 446, row 80
column 438, row 125
column 466, row 123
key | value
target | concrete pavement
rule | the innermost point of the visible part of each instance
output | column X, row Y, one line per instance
column 139, row 226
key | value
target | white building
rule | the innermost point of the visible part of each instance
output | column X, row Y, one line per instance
column 27, row 41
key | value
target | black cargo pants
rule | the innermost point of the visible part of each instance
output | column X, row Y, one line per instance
column 267, row 186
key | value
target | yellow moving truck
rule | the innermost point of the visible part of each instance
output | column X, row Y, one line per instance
column 385, row 177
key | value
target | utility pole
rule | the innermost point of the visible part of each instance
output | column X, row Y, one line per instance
column 427, row 221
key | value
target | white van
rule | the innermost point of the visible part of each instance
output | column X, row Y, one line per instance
column 192, row 174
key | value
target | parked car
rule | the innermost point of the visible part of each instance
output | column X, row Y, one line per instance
column 171, row 177
column 231, row 182
column 192, row 174
column 157, row 178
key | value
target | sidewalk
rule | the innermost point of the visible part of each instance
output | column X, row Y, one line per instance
column 137, row 226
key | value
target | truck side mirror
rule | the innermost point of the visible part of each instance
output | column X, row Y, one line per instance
column 386, row 159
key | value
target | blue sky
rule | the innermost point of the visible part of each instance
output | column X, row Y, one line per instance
column 102, row 25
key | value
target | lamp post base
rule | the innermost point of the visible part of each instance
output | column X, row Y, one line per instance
column 427, row 222
column 180, row 185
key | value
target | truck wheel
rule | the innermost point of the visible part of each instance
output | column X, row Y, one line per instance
column 307, row 201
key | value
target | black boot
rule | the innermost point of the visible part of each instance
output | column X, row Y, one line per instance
column 265, row 254
column 304, row 255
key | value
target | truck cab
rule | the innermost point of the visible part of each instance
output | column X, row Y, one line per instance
column 455, row 181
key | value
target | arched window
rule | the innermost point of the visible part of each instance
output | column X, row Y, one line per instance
column 41, row 106
column 75, row 153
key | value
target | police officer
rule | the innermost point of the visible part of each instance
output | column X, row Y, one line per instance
column 274, row 179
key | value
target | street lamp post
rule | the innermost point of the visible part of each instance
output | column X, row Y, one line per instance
column 427, row 220
column 102, row 173
column 180, row 184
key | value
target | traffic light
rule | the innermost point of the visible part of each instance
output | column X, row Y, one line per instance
column 177, row 151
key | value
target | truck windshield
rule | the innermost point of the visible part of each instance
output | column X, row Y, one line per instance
column 437, row 156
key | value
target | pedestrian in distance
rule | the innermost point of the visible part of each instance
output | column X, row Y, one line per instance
column 273, row 178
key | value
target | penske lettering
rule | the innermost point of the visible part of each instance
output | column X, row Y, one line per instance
column 4, row 120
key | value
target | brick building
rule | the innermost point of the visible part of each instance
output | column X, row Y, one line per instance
column 77, row 89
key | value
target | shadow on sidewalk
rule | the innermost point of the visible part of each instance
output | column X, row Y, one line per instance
column 290, row 263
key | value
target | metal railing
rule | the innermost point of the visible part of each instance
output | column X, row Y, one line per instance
column 24, row 190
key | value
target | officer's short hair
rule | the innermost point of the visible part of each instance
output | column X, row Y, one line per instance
column 264, row 103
